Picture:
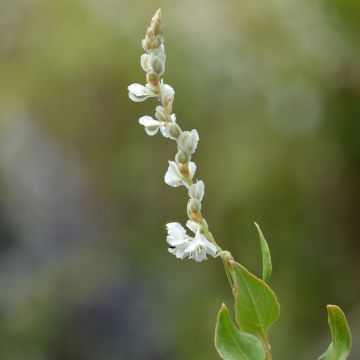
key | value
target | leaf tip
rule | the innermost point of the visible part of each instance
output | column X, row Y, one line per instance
column 223, row 307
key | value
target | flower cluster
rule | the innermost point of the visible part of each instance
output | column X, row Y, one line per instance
column 181, row 171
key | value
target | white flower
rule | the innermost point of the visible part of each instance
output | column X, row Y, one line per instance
column 200, row 245
column 183, row 246
column 197, row 190
column 151, row 125
column 188, row 140
column 177, row 239
column 173, row 176
column 138, row 92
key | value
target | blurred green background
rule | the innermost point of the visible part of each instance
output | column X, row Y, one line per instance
column 273, row 89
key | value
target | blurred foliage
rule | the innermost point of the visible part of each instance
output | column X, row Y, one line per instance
column 274, row 91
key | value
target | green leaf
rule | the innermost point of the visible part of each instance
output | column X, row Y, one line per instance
column 256, row 306
column 339, row 348
column 232, row 344
column 266, row 257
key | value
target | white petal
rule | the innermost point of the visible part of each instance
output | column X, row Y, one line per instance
column 163, row 131
column 211, row 248
column 137, row 98
column 149, row 121
column 196, row 250
column 138, row 89
column 192, row 168
column 144, row 61
column 173, row 118
column 176, row 234
column 193, row 226
column 200, row 256
column 151, row 130
column 167, row 90
column 172, row 176
column 179, row 251
column 195, row 136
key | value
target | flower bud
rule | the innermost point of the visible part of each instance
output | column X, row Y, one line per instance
column 196, row 191
column 173, row 130
column 168, row 93
column 157, row 65
column 188, row 140
column 156, row 42
column 182, row 157
column 194, row 209
column 156, row 23
column 152, row 78
column 160, row 114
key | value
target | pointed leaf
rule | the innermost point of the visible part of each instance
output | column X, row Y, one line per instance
column 339, row 348
column 266, row 258
column 256, row 306
column 232, row 344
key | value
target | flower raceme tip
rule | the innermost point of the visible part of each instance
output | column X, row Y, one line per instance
column 181, row 171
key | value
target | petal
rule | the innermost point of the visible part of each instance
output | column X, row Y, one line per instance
column 151, row 130
column 193, row 226
column 211, row 249
column 138, row 89
column 195, row 137
column 192, row 168
column 179, row 251
column 200, row 256
column 176, row 234
column 144, row 61
column 163, row 131
column 137, row 98
column 168, row 91
column 173, row 118
column 172, row 176
column 149, row 121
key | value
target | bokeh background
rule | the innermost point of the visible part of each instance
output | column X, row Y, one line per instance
column 273, row 89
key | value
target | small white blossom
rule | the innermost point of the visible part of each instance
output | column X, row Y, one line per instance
column 138, row 92
column 183, row 246
column 188, row 140
column 177, row 239
column 151, row 125
column 197, row 190
column 173, row 176
column 199, row 247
